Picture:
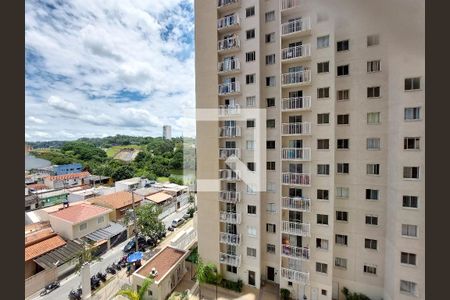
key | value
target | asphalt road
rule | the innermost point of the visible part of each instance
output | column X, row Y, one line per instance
column 113, row 255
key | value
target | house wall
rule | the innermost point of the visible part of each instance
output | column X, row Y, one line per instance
column 72, row 231
column 67, row 169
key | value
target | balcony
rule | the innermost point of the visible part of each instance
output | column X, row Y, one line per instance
column 229, row 238
column 296, row 203
column 297, row 53
column 296, row 28
column 296, row 103
column 224, row 153
column 229, row 110
column 229, row 66
column 296, row 154
column 229, row 88
column 293, row 275
column 288, row 4
column 300, row 179
column 229, row 175
column 229, row 217
column 229, row 259
column 295, row 252
column 296, row 228
column 229, row 45
column 229, row 131
column 230, row 196
column 228, row 23
column 297, row 128
column 293, row 79
column 225, row 5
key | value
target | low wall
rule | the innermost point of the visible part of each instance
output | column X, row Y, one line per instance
column 38, row 281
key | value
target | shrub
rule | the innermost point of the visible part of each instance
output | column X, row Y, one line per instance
column 353, row 296
column 232, row 285
column 285, row 294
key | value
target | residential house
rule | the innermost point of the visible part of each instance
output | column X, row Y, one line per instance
column 65, row 181
column 180, row 192
column 119, row 203
column 67, row 168
column 96, row 180
column 89, row 193
column 132, row 184
column 51, row 197
column 165, row 201
column 31, row 202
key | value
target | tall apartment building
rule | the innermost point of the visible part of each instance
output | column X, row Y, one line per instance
column 167, row 132
column 343, row 86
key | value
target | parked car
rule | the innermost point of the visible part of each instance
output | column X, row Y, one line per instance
column 186, row 216
column 131, row 246
column 177, row 222
column 170, row 228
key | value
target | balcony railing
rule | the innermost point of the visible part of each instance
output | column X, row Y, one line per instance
column 296, row 228
column 224, row 153
column 231, row 43
column 299, row 77
column 229, row 110
column 293, row 275
column 229, row 88
column 230, row 196
column 296, row 203
column 300, row 154
column 296, row 26
column 296, row 103
column 229, row 65
column 229, row 217
column 229, row 131
column 303, row 179
column 295, row 252
column 229, row 259
column 230, row 175
column 225, row 3
column 229, row 238
column 296, row 52
column 228, row 22
column 287, row 4
column 297, row 128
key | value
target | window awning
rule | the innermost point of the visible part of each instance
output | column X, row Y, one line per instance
column 106, row 233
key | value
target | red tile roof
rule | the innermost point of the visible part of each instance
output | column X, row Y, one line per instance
column 37, row 186
column 79, row 213
column 68, row 176
column 43, row 247
column 116, row 200
column 162, row 262
column 39, row 235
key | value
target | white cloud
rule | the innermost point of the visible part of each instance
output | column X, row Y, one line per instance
column 61, row 104
column 36, row 120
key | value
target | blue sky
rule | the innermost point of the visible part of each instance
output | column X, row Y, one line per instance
column 95, row 68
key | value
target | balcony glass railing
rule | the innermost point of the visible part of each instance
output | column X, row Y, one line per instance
column 229, row 110
column 227, row 174
column 290, row 178
column 298, row 77
column 297, row 128
column 224, row 153
column 295, row 252
column 293, row 275
column 230, row 196
column 224, row 3
column 296, row 103
column 229, row 43
column 229, row 65
column 230, row 217
column 296, row 203
column 229, row 259
column 299, row 25
column 302, row 154
column 229, row 131
column 296, row 228
column 296, row 52
column 227, row 22
column 229, row 88
column 229, row 238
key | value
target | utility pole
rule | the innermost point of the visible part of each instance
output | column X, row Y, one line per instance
column 134, row 223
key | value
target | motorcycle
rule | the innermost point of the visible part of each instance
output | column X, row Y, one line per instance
column 116, row 266
column 101, row 276
column 95, row 282
column 50, row 288
column 75, row 294
column 110, row 270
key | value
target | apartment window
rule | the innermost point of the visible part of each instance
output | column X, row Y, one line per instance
column 323, row 144
column 270, row 81
column 412, row 113
column 250, row 56
column 408, row 258
column 322, row 219
column 411, row 172
column 270, row 248
column 370, row 244
column 342, row 143
column 100, row 219
column 373, row 144
column 271, row 187
column 341, row 239
column 270, row 123
column 373, row 66
column 270, row 102
column 232, row 269
column 324, row 292
column 321, row 267
column 250, row 145
column 322, row 194
column 371, row 220
column 343, row 119
column 251, row 209
column 370, row 269
column 343, row 94
column 408, row 287
column 343, row 70
column 412, row 84
column 270, row 16
column 323, row 169
column 342, row 216
column 373, row 40
column 250, row 101
column 83, row 226
column 342, row 45
column 270, row 144
column 373, row 118
column 250, row 34
column 251, row 231
column 250, row 11
column 409, row 230
column 342, row 192
column 251, row 252
column 270, row 59
column 251, row 166
column 323, row 92
column 373, row 169
column 410, row 201
column 271, row 208
column 323, row 67
column 340, row 262
column 250, row 78
column 270, row 165
column 250, row 123
column 271, row 228
column 321, row 244
column 323, row 41
column 411, row 143
column 371, row 194
column 270, row 37
column 373, row 92
column 343, row 168
column 323, row 118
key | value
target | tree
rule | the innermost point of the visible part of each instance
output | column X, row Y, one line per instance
column 179, row 296
column 136, row 295
column 86, row 255
column 207, row 273
column 123, row 172
column 147, row 220
column 353, row 296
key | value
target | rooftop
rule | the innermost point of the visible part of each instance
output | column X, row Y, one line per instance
column 159, row 197
column 163, row 261
column 68, row 176
column 146, row 191
column 79, row 213
column 44, row 246
column 115, row 200
column 130, row 181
